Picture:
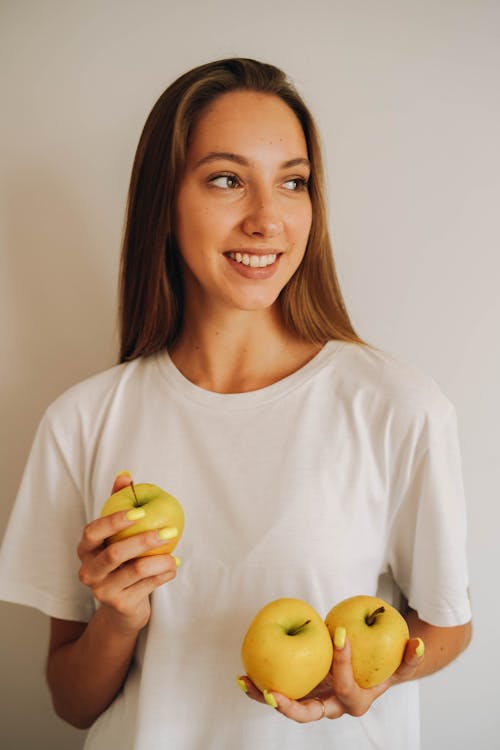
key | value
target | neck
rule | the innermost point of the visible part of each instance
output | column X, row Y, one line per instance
column 240, row 352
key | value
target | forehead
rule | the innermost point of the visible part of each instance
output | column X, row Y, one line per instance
column 248, row 123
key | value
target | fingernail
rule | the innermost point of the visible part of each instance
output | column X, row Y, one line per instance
column 177, row 562
column 339, row 637
column 419, row 651
column 123, row 473
column 135, row 514
column 167, row 533
column 270, row 699
column 242, row 684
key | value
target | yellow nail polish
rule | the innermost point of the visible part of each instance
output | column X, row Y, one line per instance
column 419, row 651
column 177, row 561
column 135, row 514
column 123, row 473
column 339, row 637
column 242, row 684
column 167, row 533
column 270, row 699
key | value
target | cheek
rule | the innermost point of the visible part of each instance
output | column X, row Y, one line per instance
column 192, row 229
column 201, row 227
column 300, row 223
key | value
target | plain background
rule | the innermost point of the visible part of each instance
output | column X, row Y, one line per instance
column 406, row 96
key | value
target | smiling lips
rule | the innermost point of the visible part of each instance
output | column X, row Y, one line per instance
column 253, row 260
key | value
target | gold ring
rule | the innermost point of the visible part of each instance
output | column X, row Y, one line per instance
column 323, row 708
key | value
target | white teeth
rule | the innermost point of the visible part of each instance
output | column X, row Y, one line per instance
column 254, row 261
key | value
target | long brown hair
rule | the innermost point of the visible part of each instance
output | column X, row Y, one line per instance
column 151, row 289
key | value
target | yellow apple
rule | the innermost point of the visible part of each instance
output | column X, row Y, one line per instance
column 378, row 635
column 287, row 648
column 161, row 508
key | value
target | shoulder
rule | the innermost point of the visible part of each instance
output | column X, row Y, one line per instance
column 381, row 378
column 92, row 396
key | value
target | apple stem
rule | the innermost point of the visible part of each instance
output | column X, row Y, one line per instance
column 370, row 619
column 294, row 631
column 135, row 496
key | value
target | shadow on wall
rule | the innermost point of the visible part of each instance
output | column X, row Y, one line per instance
column 58, row 282
column 59, row 279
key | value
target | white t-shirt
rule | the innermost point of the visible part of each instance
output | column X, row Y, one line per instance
column 343, row 478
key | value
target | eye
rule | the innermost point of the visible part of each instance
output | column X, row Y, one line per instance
column 296, row 184
column 225, row 181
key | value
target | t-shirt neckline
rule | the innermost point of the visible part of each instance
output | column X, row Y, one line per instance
column 248, row 399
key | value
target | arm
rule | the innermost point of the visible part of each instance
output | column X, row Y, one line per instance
column 88, row 663
column 442, row 645
column 86, row 667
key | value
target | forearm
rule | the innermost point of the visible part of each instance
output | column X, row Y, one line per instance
column 86, row 674
column 442, row 645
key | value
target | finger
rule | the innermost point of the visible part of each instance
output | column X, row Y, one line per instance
column 344, row 685
column 127, row 601
column 301, row 712
column 414, row 651
column 97, row 531
column 144, row 588
column 304, row 711
column 137, row 579
column 96, row 567
column 122, row 479
column 412, row 658
column 140, row 569
column 252, row 691
column 115, row 555
column 247, row 686
column 309, row 709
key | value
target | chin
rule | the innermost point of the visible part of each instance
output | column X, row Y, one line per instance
column 259, row 304
column 256, row 299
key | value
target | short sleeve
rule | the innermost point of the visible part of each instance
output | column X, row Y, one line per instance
column 427, row 540
column 38, row 559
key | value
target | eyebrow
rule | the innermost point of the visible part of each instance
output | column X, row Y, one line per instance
column 228, row 156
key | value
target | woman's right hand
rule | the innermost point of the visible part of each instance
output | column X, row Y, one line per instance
column 120, row 580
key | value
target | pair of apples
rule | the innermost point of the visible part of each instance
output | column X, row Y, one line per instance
column 288, row 647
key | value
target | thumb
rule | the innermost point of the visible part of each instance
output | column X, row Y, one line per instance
column 122, row 479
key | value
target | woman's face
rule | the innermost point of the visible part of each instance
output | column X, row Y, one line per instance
column 243, row 210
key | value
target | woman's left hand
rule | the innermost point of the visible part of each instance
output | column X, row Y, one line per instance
column 338, row 693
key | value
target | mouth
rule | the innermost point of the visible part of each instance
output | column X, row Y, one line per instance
column 253, row 260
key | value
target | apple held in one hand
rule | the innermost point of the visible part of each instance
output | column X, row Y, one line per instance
column 161, row 508
column 378, row 634
column 287, row 648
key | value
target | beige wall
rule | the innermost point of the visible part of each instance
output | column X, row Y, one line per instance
column 407, row 99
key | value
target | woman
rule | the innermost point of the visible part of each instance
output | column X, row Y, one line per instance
column 308, row 463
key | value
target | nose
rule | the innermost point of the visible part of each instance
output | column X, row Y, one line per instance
column 262, row 218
